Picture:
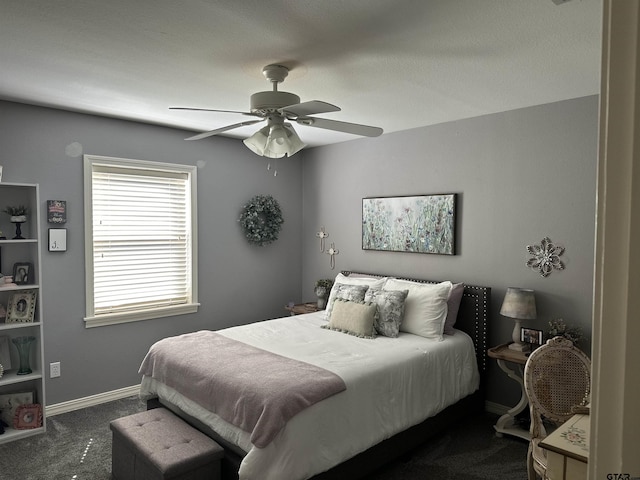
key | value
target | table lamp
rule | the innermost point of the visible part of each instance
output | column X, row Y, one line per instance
column 519, row 304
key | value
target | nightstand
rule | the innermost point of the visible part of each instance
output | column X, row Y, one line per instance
column 301, row 308
column 506, row 423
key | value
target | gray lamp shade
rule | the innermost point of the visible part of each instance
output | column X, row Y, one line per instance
column 519, row 303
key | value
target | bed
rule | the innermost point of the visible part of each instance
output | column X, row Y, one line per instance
column 398, row 390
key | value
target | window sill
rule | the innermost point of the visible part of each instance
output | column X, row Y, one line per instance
column 116, row 318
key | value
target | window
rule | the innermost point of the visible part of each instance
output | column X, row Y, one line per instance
column 140, row 240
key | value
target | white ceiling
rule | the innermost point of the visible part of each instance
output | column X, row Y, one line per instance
column 396, row 64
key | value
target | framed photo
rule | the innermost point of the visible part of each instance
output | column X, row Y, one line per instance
column 22, row 273
column 28, row 416
column 421, row 224
column 21, row 307
column 531, row 336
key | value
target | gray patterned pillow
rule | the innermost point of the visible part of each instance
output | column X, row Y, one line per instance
column 390, row 309
column 355, row 293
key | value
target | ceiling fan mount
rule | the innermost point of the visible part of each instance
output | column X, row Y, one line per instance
column 275, row 73
column 265, row 103
column 276, row 107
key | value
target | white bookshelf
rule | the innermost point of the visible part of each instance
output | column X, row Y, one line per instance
column 26, row 250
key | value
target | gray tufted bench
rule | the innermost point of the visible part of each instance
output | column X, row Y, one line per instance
column 156, row 445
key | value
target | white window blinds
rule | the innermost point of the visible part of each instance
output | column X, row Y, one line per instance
column 141, row 239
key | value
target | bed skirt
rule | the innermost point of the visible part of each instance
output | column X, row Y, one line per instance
column 367, row 462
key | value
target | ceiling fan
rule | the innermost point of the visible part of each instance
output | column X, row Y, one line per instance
column 278, row 109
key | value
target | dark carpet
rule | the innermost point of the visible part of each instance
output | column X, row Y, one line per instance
column 77, row 446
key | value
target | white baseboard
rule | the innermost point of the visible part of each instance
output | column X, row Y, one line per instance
column 496, row 408
column 77, row 404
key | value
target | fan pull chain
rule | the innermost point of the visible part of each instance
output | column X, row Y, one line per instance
column 275, row 167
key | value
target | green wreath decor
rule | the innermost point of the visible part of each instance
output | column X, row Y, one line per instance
column 261, row 220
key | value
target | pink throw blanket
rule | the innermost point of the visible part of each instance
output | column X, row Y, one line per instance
column 253, row 389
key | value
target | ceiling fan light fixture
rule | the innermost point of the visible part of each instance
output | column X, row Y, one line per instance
column 283, row 140
column 258, row 141
column 295, row 144
column 275, row 141
column 277, row 145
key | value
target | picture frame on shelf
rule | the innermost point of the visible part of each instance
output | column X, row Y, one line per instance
column 21, row 307
column 28, row 416
column 22, row 273
column 531, row 336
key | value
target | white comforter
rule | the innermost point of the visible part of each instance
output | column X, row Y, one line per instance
column 392, row 384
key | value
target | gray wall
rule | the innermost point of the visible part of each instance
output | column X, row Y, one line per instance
column 520, row 175
column 236, row 280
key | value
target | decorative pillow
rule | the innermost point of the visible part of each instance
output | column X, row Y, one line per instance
column 353, row 318
column 355, row 293
column 425, row 307
column 453, row 305
column 348, row 280
column 390, row 309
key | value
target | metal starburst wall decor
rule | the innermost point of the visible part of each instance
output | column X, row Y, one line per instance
column 546, row 257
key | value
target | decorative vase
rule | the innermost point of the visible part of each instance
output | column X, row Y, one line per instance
column 321, row 293
column 18, row 220
column 23, row 344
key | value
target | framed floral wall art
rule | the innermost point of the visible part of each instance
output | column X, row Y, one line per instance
column 421, row 224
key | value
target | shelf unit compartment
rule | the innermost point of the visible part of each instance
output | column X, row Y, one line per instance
column 15, row 194
column 24, row 293
column 35, row 360
column 18, row 251
column 30, row 385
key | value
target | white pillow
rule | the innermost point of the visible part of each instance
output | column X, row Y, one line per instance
column 425, row 308
column 359, row 280
column 345, row 280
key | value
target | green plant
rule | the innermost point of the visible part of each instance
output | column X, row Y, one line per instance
column 16, row 211
column 558, row 327
column 324, row 283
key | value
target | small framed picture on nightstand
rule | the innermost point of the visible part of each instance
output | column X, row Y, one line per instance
column 531, row 336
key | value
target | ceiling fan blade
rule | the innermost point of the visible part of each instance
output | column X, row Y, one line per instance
column 223, row 129
column 214, row 110
column 353, row 128
column 312, row 107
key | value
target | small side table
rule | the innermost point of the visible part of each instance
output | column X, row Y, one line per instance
column 301, row 308
column 506, row 423
column 568, row 449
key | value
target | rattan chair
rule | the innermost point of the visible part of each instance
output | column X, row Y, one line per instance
column 557, row 378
